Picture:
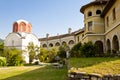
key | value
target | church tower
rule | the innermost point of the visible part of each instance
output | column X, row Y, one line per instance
column 22, row 26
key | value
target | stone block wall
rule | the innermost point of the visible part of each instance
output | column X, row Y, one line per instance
column 92, row 76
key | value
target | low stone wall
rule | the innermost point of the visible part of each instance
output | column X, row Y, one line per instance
column 92, row 76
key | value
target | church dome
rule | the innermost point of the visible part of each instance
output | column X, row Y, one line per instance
column 22, row 26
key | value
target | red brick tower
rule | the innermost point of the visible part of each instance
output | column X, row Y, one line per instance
column 22, row 26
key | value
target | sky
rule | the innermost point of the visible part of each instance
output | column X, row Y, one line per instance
column 46, row 16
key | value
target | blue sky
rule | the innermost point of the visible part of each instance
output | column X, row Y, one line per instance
column 46, row 16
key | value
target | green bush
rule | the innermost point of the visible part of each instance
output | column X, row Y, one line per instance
column 75, row 50
column 2, row 61
column 62, row 52
column 47, row 55
column 14, row 57
column 89, row 49
column 33, row 50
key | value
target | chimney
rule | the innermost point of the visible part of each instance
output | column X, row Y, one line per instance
column 69, row 30
column 47, row 35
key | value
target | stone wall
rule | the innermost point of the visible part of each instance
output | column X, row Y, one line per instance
column 92, row 76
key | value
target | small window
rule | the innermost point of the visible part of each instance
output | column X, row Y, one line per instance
column 98, row 12
column 44, row 45
column 89, row 14
column 78, row 38
column 57, row 44
column 12, row 42
column 51, row 45
column 82, row 35
column 71, row 42
column 107, row 21
column 90, row 26
column 114, row 14
column 64, row 43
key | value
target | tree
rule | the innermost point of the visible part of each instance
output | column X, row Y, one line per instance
column 13, row 57
column 1, row 49
column 2, row 61
column 62, row 51
column 47, row 55
column 33, row 51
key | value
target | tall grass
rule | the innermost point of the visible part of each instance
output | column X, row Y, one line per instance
column 102, row 66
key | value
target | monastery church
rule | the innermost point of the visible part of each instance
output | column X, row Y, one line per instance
column 20, row 37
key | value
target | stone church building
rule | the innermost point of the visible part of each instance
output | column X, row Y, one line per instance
column 20, row 37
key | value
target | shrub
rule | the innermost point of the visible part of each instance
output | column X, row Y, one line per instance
column 14, row 57
column 47, row 55
column 62, row 52
column 33, row 50
column 75, row 51
column 2, row 61
column 88, row 49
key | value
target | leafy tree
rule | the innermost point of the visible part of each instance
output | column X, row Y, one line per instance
column 47, row 55
column 1, row 49
column 51, row 54
column 33, row 51
column 43, row 54
column 62, row 52
column 2, row 61
column 75, row 50
column 13, row 57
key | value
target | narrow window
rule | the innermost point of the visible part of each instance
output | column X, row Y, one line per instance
column 90, row 26
column 12, row 42
column 84, row 26
column 114, row 15
column 78, row 38
column 107, row 21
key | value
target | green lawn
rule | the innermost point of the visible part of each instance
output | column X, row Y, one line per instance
column 33, row 73
column 101, row 66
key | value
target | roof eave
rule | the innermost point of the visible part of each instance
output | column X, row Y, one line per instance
column 82, row 9
column 107, row 7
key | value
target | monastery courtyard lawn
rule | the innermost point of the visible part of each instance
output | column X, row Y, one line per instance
column 90, row 65
column 33, row 73
column 101, row 66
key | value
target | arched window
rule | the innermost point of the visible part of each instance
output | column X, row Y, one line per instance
column 44, row 45
column 108, row 45
column 99, row 45
column 23, row 26
column 63, row 43
column 98, row 12
column 15, row 27
column 13, row 43
column 51, row 45
column 57, row 44
column 115, row 43
column 71, row 42
column 89, row 14
column 29, row 28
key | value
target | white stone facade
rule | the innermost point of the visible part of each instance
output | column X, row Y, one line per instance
column 20, row 40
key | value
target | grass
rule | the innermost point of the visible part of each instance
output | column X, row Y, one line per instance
column 101, row 66
column 33, row 73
